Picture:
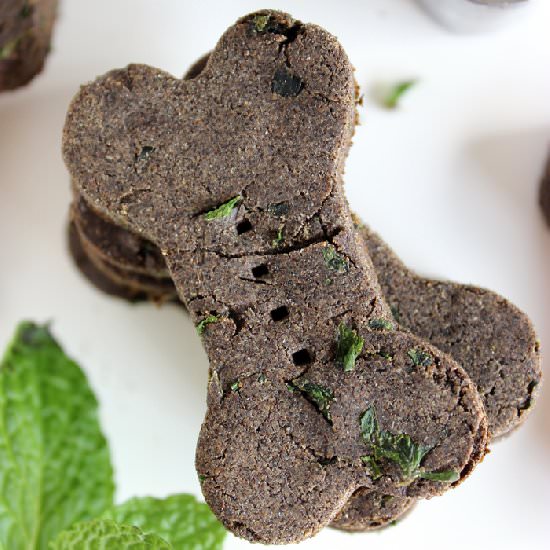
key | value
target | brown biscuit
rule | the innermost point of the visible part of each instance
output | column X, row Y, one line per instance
column 236, row 176
column 25, row 34
column 544, row 196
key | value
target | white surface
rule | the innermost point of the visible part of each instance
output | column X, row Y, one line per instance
column 450, row 181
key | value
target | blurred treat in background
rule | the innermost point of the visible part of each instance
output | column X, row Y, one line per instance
column 470, row 16
column 545, row 192
column 25, row 34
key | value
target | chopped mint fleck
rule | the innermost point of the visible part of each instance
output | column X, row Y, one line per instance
column 8, row 48
column 380, row 324
column 335, row 261
column 446, row 476
column 395, row 312
column 373, row 466
column 420, row 358
column 236, row 386
column 290, row 387
column 391, row 101
column 279, row 209
column 207, row 321
column 397, row 448
column 260, row 22
column 262, row 378
column 223, row 210
column 202, row 477
column 286, row 84
column 321, row 397
column 349, row 346
column 26, row 11
column 146, row 150
column 369, row 424
column 279, row 239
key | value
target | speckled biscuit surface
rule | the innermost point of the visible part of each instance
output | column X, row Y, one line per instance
column 236, row 176
column 25, row 34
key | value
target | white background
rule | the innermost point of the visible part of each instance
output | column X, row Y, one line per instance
column 450, row 181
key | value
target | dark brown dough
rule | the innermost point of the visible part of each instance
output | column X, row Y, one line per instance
column 267, row 124
column 25, row 34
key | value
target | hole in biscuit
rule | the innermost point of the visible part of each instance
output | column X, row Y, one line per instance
column 279, row 313
column 302, row 357
column 260, row 271
column 244, row 227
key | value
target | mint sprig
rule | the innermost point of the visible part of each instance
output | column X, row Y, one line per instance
column 55, row 468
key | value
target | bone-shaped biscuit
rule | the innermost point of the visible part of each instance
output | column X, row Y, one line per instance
column 298, row 416
column 457, row 316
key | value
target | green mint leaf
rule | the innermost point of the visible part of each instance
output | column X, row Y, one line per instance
column 321, row 397
column 402, row 450
column 393, row 97
column 446, row 476
column 369, row 424
column 279, row 238
column 105, row 534
column 420, row 358
column 55, row 467
column 26, row 11
column 181, row 520
column 7, row 50
column 334, row 261
column 236, row 386
column 223, row 210
column 349, row 346
column 207, row 321
column 260, row 22
column 380, row 324
column 396, row 313
column 374, row 468
column 397, row 448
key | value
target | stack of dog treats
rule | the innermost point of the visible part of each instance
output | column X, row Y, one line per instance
column 25, row 34
column 343, row 387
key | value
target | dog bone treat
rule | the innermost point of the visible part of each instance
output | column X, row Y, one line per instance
column 313, row 393
column 544, row 196
column 25, row 34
